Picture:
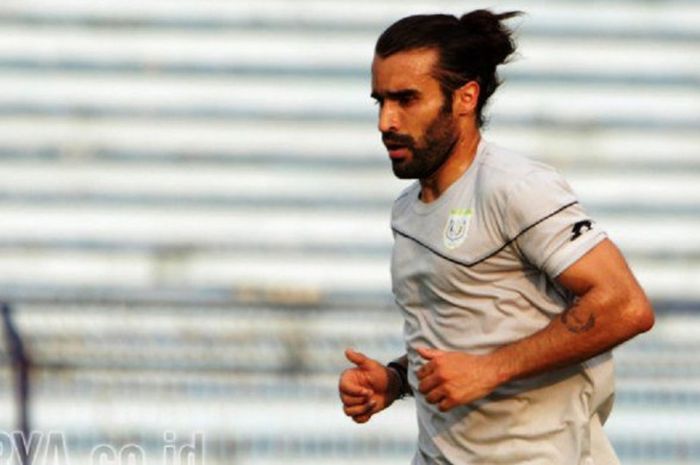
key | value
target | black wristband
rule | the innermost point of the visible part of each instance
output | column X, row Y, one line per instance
column 404, row 387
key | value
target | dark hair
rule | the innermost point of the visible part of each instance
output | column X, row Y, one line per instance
column 470, row 48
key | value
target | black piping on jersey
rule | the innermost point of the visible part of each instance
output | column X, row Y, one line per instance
column 495, row 252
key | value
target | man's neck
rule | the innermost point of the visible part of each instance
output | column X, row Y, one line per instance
column 454, row 167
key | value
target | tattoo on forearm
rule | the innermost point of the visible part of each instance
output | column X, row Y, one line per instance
column 576, row 321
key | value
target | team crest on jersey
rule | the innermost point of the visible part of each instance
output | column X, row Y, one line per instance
column 457, row 227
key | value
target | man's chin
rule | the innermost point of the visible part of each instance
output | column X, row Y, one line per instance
column 403, row 169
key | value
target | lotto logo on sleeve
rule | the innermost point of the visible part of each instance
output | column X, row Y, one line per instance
column 457, row 227
column 580, row 228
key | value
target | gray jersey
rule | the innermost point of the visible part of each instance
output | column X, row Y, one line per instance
column 474, row 270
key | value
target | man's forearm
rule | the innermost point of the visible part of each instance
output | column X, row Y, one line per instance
column 611, row 308
column 594, row 324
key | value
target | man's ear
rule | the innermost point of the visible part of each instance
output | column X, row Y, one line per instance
column 465, row 99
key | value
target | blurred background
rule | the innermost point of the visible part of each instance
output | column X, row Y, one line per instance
column 194, row 216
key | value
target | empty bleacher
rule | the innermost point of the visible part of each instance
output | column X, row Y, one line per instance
column 195, row 206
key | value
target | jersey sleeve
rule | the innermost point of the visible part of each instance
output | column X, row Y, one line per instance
column 547, row 224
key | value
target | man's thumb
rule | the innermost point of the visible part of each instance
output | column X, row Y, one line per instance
column 357, row 358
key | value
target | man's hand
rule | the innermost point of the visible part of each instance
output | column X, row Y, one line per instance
column 368, row 388
column 450, row 379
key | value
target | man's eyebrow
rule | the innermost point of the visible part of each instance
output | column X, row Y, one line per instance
column 396, row 95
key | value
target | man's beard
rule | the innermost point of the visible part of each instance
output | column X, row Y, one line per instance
column 440, row 139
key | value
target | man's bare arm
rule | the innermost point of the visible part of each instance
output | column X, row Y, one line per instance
column 610, row 308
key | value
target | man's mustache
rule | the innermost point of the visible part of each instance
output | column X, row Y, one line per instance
column 392, row 138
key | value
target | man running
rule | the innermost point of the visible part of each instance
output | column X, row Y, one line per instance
column 512, row 295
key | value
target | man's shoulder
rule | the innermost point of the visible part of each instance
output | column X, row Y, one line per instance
column 521, row 190
column 502, row 170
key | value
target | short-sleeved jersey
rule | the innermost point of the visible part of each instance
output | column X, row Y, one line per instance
column 475, row 270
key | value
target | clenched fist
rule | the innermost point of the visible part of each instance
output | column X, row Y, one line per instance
column 450, row 379
column 367, row 388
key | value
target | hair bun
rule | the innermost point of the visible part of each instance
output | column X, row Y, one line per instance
column 489, row 27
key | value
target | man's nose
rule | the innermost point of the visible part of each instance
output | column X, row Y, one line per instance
column 388, row 118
